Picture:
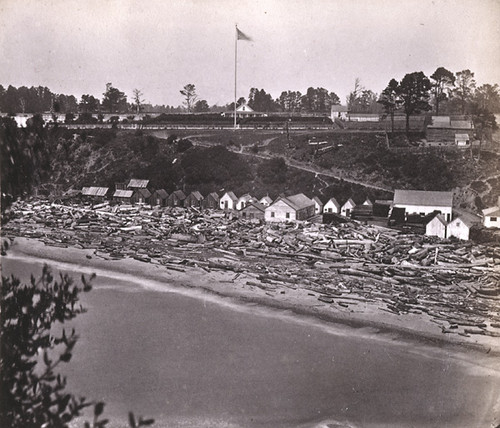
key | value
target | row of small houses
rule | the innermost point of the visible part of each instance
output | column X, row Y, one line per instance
column 433, row 208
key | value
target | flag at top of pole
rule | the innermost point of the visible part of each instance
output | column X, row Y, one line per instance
column 242, row 36
column 239, row 36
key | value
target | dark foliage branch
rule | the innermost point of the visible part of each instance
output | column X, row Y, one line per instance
column 33, row 345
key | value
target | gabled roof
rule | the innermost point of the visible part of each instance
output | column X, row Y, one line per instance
column 256, row 205
column 266, row 199
column 333, row 201
column 245, row 197
column 162, row 193
column 298, row 201
column 179, row 194
column 123, row 193
column 213, row 195
column 230, row 195
column 465, row 220
column 435, row 215
column 244, row 108
column 492, row 212
column 197, row 195
column 349, row 201
column 145, row 193
column 95, row 191
column 462, row 136
column 367, row 202
column 138, row 184
column 317, row 200
column 423, row 198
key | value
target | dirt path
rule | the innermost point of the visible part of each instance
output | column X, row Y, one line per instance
column 338, row 174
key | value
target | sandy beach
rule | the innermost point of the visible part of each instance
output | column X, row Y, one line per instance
column 387, row 370
column 366, row 317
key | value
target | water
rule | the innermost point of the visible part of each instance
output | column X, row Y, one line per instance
column 198, row 362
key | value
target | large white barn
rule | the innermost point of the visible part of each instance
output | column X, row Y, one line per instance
column 423, row 202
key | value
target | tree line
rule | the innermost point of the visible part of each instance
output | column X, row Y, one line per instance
column 442, row 92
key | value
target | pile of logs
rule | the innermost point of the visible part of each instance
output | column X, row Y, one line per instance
column 456, row 283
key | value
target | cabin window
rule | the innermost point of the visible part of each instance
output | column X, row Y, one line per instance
column 272, row 213
column 329, row 210
column 493, row 219
column 287, row 215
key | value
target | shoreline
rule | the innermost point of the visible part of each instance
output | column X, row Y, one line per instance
column 242, row 288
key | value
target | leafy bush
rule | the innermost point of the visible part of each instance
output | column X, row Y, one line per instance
column 32, row 394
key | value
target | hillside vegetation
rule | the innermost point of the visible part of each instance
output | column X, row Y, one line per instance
column 61, row 159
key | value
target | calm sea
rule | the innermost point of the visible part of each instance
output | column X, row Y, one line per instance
column 195, row 361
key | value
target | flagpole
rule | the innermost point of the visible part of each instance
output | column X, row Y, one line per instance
column 235, row 69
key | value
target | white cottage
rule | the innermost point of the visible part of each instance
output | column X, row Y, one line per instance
column 291, row 208
column 491, row 217
column 332, row 206
column 243, row 201
column 228, row 201
column 460, row 228
column 436, row 226
column 266, row 201
column 424, row 202
column 318, row 205
column 346, row 209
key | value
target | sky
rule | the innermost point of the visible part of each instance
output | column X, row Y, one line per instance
column 76, row 47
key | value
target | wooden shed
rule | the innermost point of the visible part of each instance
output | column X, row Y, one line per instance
column 332, row 206
column 244, row 200
column 176, row 199
column 347, row 208
column 318, row 205
column 194, row 199
column 123, row 196
column 228, row 201
column 95, row 194
column 253, row 210
column 159, row 198
column 296, row 207
column 141, row 196
column 211, row 202
column 135, row 183
column 266, row 201
column 436, row 226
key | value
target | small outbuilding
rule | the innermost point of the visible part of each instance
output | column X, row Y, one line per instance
column 135, row 183
column 436, row 226
column 95, row 194
column 194, row 199
column 460, row 228
column 332, row 207
column 159, row 198
column 266, row 201
column 244, row 200
column 211, row 202
column 291, row 208
column 491, row 216
column 318, row 205
column 254, row 210
column 228, row 201
column 123, row 196
column 346, row 209
column 176, row 199
column 141, row 196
